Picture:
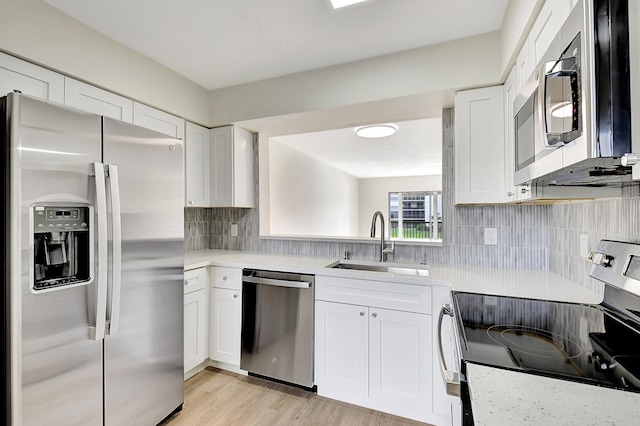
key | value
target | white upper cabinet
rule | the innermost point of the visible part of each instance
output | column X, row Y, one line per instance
column 232, row 183
column 160, row 121
column 523, row 68
column 92, row 99
column 197, row 169
column 480, row 174
column 546, row 26
column 30, row 79
column 510, row 90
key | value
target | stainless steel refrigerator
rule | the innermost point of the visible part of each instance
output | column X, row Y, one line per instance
column 93, row 268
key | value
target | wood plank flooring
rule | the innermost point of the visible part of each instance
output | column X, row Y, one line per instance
column 219, row 397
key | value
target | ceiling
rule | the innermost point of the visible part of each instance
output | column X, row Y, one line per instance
column 221, row 43
column 415, row 150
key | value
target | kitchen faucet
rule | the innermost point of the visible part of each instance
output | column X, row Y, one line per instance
column 383, row 249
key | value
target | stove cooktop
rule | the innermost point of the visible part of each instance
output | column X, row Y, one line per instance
column 588, row 343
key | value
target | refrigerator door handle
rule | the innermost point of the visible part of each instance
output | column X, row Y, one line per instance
column 116, row 267
column 98, row 331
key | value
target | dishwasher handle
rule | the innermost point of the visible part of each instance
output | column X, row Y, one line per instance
column 277, row 282
column 451, row 378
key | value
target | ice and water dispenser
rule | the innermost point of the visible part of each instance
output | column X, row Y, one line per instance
column 62, row 247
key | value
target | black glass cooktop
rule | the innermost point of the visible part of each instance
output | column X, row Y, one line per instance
column 588, row 343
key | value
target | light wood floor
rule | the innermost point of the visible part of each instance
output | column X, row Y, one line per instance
column 219, row 397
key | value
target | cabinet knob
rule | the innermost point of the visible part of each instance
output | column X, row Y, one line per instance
column 225, row 278
column 362, row 313
column 374, row 315
column 235, row 296
column 186, row 282
column 191, row 202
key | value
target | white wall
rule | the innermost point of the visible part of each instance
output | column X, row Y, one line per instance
column 465, row 63
column 374, row 196
column 37, row 32
column 308, row 197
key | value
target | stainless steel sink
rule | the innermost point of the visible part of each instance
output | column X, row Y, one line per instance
column 390, row 268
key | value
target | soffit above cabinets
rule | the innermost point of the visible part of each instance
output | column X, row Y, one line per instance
column 223, row 43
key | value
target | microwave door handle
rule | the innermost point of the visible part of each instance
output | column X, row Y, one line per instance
column 451, row 378
column 97, row 332
column 555, row 139
column 116, row 267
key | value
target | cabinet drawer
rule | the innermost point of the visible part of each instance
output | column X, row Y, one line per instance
column 194, row 280
column 397, row 296
column 230, row 278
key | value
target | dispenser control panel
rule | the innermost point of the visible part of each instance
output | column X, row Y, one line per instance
column 62, row 247
column 47, row 219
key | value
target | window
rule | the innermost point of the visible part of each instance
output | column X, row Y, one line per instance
column 415, row 215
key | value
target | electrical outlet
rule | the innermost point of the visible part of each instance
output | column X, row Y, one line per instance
column 234, row 229
column 584, row 245
column 490, row 236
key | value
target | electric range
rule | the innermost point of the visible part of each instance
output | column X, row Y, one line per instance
column 593, row 344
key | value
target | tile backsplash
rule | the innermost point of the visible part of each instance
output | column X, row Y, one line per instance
column 529, row 236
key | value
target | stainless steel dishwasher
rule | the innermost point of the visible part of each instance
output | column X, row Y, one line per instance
column 277, row 326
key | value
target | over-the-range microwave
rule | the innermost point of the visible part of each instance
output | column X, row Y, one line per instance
column 574, row 116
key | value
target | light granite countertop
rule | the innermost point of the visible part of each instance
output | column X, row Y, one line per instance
column 504, row 397
column 532, row 284
column 499, row 397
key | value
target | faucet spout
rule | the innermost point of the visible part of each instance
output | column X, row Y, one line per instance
column 383, row 250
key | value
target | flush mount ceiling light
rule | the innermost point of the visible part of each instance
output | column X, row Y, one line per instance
column 376, row 130
column 337, row 4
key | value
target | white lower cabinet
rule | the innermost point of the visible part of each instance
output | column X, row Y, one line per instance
column 225, row 316
column 374, row 357
column 379, row 354
column 342, row 350
column 195, row 317
column 400, row 358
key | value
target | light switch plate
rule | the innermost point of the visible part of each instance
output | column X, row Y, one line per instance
column 234, row 229
column 490, row 236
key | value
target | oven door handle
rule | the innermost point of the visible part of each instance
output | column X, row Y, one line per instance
column 451, row 378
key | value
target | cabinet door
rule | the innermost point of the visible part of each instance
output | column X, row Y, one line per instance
column 341, row 352
column 222, row 163
column 196, row 166
column 479, row 146
column 160, row 121
column 232, row 183
column 551, row 17
column 523, row 67
column 400, row 358
column 243, row 184
column 97, row 101
column 225, row 325
column 30, row 79
column 195, row 322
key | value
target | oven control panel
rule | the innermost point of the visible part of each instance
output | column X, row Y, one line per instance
column 617, row 264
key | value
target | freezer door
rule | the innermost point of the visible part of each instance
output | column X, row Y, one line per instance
column 143, row 359
column 56, row 375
